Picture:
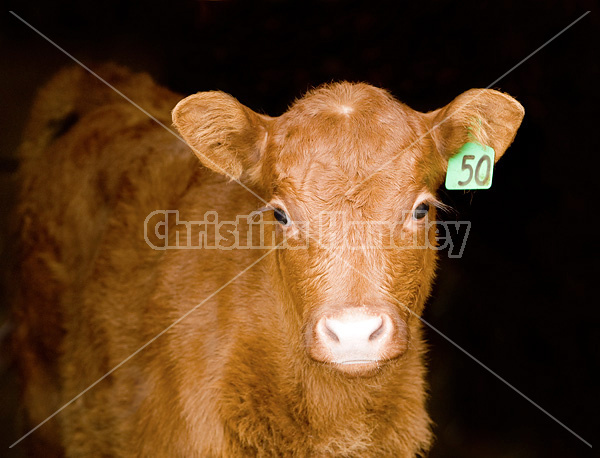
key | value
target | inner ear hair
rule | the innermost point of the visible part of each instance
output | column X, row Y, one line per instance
column 485, row 116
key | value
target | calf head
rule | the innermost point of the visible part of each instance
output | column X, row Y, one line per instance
column 350, row 174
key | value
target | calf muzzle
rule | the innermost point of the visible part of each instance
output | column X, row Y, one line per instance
column 356, row 341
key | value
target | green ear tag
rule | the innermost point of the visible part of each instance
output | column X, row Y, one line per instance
column 471, row 168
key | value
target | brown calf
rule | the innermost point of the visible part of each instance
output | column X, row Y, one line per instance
column 305, row 344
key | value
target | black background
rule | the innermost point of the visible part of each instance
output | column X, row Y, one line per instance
column 520, row 299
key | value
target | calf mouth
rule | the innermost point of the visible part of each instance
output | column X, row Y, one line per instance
column 358, row 367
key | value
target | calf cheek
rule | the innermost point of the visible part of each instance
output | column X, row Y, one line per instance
column 301, row 280
column 412, row 271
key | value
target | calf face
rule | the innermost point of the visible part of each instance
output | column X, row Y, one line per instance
column 350, row 174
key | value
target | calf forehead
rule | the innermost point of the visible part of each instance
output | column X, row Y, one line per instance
column 341, row 134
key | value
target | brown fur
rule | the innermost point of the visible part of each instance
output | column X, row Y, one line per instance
column 241, row 375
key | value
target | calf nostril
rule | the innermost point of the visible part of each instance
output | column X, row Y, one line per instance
column 332, row 335
column 378, row 332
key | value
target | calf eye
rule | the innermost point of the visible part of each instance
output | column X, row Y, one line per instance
column 421, row 211
column 281, row 217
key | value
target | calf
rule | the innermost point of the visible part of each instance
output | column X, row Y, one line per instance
column 295, row 336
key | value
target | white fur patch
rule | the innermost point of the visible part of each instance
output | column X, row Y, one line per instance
column 345, row 109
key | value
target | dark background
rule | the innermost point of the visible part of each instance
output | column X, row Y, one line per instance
column 519, row 300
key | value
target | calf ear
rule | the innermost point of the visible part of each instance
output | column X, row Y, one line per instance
column 485, row 116
column 226, row 136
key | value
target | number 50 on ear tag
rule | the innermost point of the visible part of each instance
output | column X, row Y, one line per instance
column 471, row 168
